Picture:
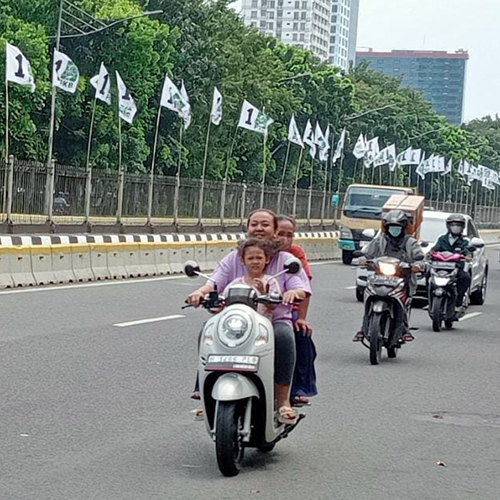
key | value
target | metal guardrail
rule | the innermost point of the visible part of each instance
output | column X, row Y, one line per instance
column 26, row 198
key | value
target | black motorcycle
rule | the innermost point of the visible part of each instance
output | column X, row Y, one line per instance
column 442, row 272
column 387, row 306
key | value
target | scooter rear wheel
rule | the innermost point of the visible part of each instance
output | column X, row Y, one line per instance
column 228, row 445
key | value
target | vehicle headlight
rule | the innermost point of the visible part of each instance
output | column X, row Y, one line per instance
column 235, row 329
column 345, row 232
column 441, row 281
column 387, row 269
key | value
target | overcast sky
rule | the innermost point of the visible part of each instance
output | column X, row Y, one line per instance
column 473, row 25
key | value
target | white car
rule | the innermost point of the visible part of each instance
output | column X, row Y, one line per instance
column 433, row 226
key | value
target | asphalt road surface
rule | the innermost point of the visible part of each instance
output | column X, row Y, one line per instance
column 92, row 410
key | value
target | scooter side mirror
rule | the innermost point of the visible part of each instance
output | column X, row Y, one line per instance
column 424, row 244
column 292, row 266
column 477, row 243
column 191, row 269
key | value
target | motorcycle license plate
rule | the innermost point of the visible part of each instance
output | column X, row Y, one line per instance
column 218, row 362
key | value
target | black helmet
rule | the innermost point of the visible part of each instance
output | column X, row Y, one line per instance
column 395, row 219
column 455, row 223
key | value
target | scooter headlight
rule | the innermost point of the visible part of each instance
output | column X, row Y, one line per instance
column 387, row 269
column 235, row 329
column 438, row 281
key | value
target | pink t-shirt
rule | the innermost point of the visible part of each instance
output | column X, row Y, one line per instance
column 271, row 285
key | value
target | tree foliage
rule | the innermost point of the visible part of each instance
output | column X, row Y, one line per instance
column 206, row 44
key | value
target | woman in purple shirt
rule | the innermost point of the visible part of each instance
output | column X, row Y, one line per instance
column 262, row 224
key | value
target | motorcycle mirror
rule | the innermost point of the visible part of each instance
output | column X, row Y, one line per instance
column 369, row 233
column 424, row 244
column 191, row 269
column 292, row 266
column 477, row 243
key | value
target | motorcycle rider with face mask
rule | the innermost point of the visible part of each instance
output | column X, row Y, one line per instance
column 394, row 242
column 454, row 241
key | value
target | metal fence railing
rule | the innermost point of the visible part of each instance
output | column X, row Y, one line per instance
column 29, row 192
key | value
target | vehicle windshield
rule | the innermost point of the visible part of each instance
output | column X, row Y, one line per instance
column 367, row 202
column 432, row 229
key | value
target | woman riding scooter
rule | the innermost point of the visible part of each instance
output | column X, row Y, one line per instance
column 262, row 224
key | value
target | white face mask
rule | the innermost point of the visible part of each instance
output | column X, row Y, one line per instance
column 395, row 231
column 456, row 229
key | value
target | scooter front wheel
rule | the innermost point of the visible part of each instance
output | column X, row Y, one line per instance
column 436, row 314
column 375, row 328
column 228, row 445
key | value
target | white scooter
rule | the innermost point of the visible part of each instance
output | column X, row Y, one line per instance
column 236, row 373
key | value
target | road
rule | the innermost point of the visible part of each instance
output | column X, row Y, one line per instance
column 90, row 410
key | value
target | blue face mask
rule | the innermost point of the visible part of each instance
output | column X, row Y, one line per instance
column 395, row 231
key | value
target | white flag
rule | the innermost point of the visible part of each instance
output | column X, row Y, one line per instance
column 309, row 139
column 323, row 153
column 293, row 133
column 416, row 154
column 102, row 85
column 424, row 166
column 126, row 104
column 460, row 168
column 171, row 98
column 372, row 150
column 186, row 110
column 340, row 147
column 391, row 157
column 252, row 118
column 404, row 158
column 320, row 140
column 360, row 149
column 447, row 170
column 216, row 113
column 65, row 74
column 381, row 158
column 18, row 68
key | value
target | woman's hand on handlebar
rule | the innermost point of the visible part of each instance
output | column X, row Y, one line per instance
column 292, row 296
column 195, row 298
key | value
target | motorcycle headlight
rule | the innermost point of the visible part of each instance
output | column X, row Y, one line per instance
column 387, row 269
column 235, row 329
column 438, row 281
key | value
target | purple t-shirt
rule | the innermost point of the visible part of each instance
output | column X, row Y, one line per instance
column 231, row 268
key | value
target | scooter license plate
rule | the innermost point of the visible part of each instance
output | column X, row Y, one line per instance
column 228, row 363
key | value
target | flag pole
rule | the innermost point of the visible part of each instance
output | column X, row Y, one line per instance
column 88, row 167
column 152, row 171
column 50, row 184
column 263, row 171
column 121, row 173
column 309, row 196
column 178, row 179
column 280, row 191
column 203, row 171
column 294, row 209
column 226, row 173
column 328, row 171
column 6, row 139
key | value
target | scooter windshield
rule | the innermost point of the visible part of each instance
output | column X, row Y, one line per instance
column 241, row 294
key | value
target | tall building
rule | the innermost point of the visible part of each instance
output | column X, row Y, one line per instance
column 326, row 27
column 440, row 75
column 343, row 33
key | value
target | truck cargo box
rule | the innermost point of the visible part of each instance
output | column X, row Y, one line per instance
column 412, row 205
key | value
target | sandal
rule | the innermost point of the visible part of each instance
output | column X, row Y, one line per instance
column 299, row 401
column 358, row 337
column 287, row 415
column 196, row 395
column 198, row 414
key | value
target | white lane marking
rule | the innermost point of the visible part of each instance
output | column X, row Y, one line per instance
column 149, row 320
column 350, row 287
column 470, row 315
column 324, row 263
column 53, row 288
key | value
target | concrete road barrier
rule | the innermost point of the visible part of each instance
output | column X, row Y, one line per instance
column 26, row 260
